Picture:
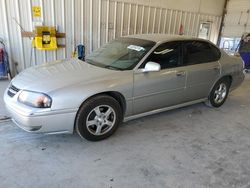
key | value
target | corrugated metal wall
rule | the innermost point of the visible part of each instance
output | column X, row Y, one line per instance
column 237, row 20
column 90, row 22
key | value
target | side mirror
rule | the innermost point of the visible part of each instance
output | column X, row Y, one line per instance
column 152, row 67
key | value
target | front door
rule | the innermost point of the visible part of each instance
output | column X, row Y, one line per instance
column 155, row 90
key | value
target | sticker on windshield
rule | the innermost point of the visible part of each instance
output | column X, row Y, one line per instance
column 136, row 48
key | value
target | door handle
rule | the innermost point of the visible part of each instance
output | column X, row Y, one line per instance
column 180, row 73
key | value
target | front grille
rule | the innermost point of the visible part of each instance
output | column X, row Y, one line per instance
column 12, row 91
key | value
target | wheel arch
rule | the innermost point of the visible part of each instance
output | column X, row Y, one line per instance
column 227, row 76
column 115, row 94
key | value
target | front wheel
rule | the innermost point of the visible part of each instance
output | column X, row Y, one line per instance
column 219, row 93
column 98, row 118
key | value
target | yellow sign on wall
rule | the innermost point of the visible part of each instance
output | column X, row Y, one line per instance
column 36, row 11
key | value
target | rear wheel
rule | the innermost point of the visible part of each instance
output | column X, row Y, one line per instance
column 98, row 118
column 219, row 93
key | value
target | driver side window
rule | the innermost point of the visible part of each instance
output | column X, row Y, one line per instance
column 167, row 55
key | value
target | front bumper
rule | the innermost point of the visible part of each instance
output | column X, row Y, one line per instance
column 40, row 120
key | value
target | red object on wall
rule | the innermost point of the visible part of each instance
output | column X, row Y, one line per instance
column 181, row 30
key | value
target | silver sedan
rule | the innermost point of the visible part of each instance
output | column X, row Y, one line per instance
column 129, row 77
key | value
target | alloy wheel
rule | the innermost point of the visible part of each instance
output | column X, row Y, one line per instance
column 101, row 120
column 220, row 93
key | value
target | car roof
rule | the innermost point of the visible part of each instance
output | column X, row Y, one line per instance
column 159, row 38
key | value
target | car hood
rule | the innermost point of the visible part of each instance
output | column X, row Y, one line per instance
column 51, row 76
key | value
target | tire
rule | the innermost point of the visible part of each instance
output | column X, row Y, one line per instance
column 98, row 118
column 219, row 93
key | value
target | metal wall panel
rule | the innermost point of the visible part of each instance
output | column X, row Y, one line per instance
column 90, row 22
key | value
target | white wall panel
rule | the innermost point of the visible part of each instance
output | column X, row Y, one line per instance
column 94, row 22
column 237, row 19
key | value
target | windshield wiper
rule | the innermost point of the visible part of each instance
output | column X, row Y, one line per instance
column 107, row 66
column 113, row 68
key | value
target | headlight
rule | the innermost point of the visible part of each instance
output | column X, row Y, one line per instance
column 35, row 99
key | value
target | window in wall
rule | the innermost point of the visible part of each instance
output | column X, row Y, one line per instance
column 205, row 30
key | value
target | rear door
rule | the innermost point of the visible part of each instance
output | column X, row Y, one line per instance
column 201, row 60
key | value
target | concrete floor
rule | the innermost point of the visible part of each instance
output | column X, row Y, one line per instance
column 191, row 147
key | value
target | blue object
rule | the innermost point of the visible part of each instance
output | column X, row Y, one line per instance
column 3, row 63
column 3, row 71
column 246, row 58
column 81, row 52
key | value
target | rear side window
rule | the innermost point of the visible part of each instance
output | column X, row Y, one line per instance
column 196, row 52
column 215, row 52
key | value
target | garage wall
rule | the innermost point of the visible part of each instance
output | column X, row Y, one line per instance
column 237, row 19
column 94, row 22
column 204, row 6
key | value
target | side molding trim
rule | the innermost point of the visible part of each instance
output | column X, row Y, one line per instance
column 162, row 110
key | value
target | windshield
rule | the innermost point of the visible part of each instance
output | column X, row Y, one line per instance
column 120, row 54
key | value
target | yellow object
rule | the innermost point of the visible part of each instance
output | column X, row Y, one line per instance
column 74, row 54
column 36, row 10
column 45, row 38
